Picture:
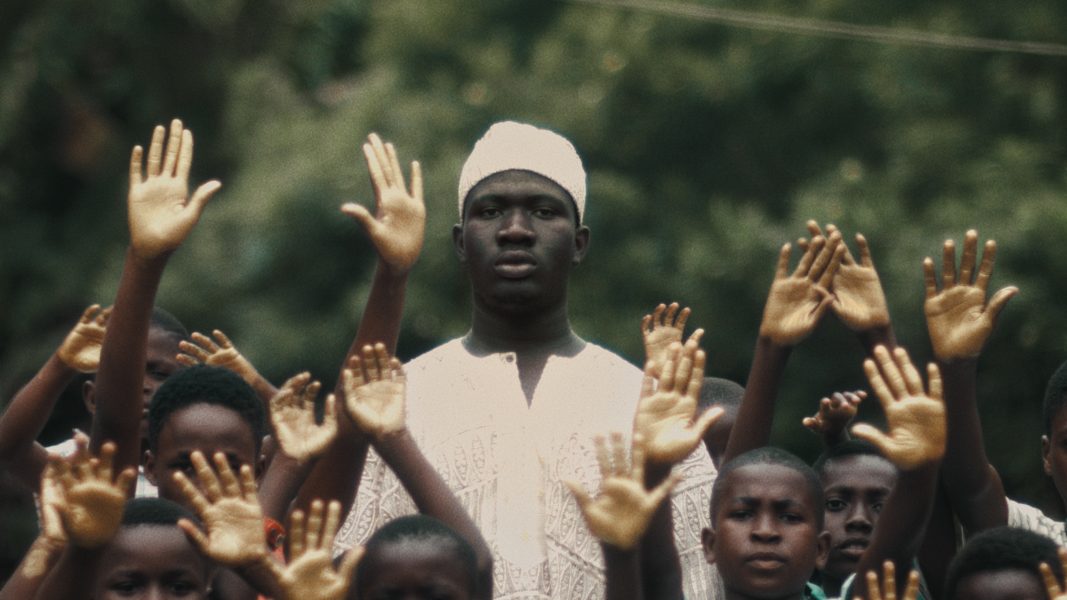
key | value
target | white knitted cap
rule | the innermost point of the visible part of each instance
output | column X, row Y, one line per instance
column 509, row 145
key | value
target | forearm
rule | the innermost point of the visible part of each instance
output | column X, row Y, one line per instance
column 119, row 380
column 973, row 486
column 878, row 336
column 26, row 416
column 280, row 484
column 68, row 578
column 382, row 314
column 35, row 566
column 752, row 429
column 622, row 574
column 661, row 569
column 431, row 494
column 939, row 543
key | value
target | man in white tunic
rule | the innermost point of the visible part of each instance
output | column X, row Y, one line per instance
column 508, row 411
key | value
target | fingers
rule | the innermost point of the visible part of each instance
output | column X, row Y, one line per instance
column 314, row 525
column 224, row 340
column 202, row 195
column 912, row 380
column 107, row 455
column 370, row 364
column 174, row 143
column 911, row 592
column 348, row 564
column 648, row 382
column 668, row 317
column 865, row 251
column 135, row 166
column 603, row 459
column 889, row 580
column 362, row 216
column 695, row 337
column 696, row 378
column 637, row 458
column 948, row 265
column 125, row 479
column 1051, row 584
column 230, row 486
column 416, row 181
column 933, row 375
column 782, row 270
column 195, row 535
column 646, row 324
column 666, row 378
column 185, row 156
column 985, row 271
column 970, row 253
column 296, row 534
column 804, row 267
column 618, row 454
column 828, row 255
column 929, row 278
column 209, row 482
column 248, row 483
column 999, row 300
column 192, row 494
column 382, row 156
column 579, row 492
column 890, row 372
column 155, row 151
column 873, row 592
column 707, row 419
column 880, row 440
column 661, row 491
column 836, row 258
column 874, row 376
column 329, row 528
column 383, row 361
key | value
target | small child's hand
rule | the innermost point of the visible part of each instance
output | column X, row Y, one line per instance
column 219, row 352
column 661, row 329
column 859, row 300
column 916, row 418
column 310, row 574
column 958, row 317
column 619, row 516
column 292, row 412
column 796, row 302
column 81, row 348
column 229, row 509
column 666, row 416
column 1055, row 591
column 888, row 589
column 53, row 538
column 161, row 212
column 835, row 413
column 374, row 392
column 92, row 500
column 396, row 229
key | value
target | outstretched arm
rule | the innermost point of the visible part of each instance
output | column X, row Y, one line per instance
column 46, row 549
column 396, row 230
column 915, row 443
column 960, row 320
column 310, row 573
column 794, row 307
column 28, row 411
column 161, row 215
column 835, row 414
column 374, row 389
column 220, row 352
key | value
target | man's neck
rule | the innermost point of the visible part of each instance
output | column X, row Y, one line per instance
column 545, row 333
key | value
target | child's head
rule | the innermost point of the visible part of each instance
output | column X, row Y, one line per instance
column 1002, row 564
column 151, row 557
column 726, row 394
column 416, row 555
column 856, row 480
column 207, row 409
column 766, row 534
column 1054, row 442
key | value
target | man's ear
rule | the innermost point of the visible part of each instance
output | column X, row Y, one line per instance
column 581, row 244
column 149, row 467
column 457, row 242
column 823, row 549
column 1046, row 449
column 89, row 396
column 707, row 540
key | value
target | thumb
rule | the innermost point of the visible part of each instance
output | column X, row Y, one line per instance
column 195, row 535
column 999, row 300
column 362, row 216
column 707, row 419
column 661, row 491
column 578, row 491
column 203, row 194
column 873, row 435
column 349, row 562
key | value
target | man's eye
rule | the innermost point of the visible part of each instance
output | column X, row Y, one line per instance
column 740, row 515
column 791, row 518
column 835, row 505
column 489, row 212
column 877, row 507
column 545, row 213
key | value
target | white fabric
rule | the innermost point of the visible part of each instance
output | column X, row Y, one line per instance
column 505, row 459
column 144, row 489
column 509, row 145
column 1031, row 518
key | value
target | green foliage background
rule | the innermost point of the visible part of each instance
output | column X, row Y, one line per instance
column 707, row 148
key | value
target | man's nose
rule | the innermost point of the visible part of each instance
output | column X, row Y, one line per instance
column 859, row 518
column 765, row 528
column 516, row 228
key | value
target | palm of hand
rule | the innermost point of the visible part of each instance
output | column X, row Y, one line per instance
column 93, row 512
column 298, row 433
column 916, row 431
column 378, row 407
column 312, row 574
column 81, row 349
column 957, row 322
column 158, row 219
column 860, row 302
column 658, row 341
column 664, row 419
column 403, row 220
column 790, row 313
column 620, row 514
column 235, row 531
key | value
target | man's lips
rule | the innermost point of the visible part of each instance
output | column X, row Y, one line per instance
column 514, row 264
column 853, row 547
column 765, row 561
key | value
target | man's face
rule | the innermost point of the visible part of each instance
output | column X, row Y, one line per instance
column 1054, row 453
column 766, row 541
column 518, row 240
column 855, row 488
column 152, row 562
column 209, row 428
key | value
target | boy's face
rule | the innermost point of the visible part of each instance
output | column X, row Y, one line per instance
column 151, row 562
column 209, row 428
column 1006, row 584
column 518, row 240
column 855, row 488
column 415, row 570
column 766, row 541
column 1054, row 452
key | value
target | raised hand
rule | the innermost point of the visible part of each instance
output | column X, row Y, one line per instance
column 310, row 573
column 915, row 417
column 662, row 328
column 666, row 416
column 53, row 537
column 958, row 317
column 229, row 509
column 161, row 212
column 219, row 352
column 888, row 589
column 1052, row 585
column 374, row 386
column 859, row 300
column 292, row 412
column 835, row 413
column 397, row 226
column 92, row 500
column 81, row 348
column 796, row 302
column 620, row 514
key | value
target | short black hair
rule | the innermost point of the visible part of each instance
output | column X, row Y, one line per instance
column 769, row 455
column 164, row 321
column 1002, row 549
column 1055, row 396
column 154, row 511
column 721, row 392
column 202, row 384
column 417, row 528
column 843, row 449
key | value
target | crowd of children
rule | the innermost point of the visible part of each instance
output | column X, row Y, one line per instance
column 520, row 461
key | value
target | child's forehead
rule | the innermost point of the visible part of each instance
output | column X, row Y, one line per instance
column 152, row 548
column 858, row 470
column 765, row 482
